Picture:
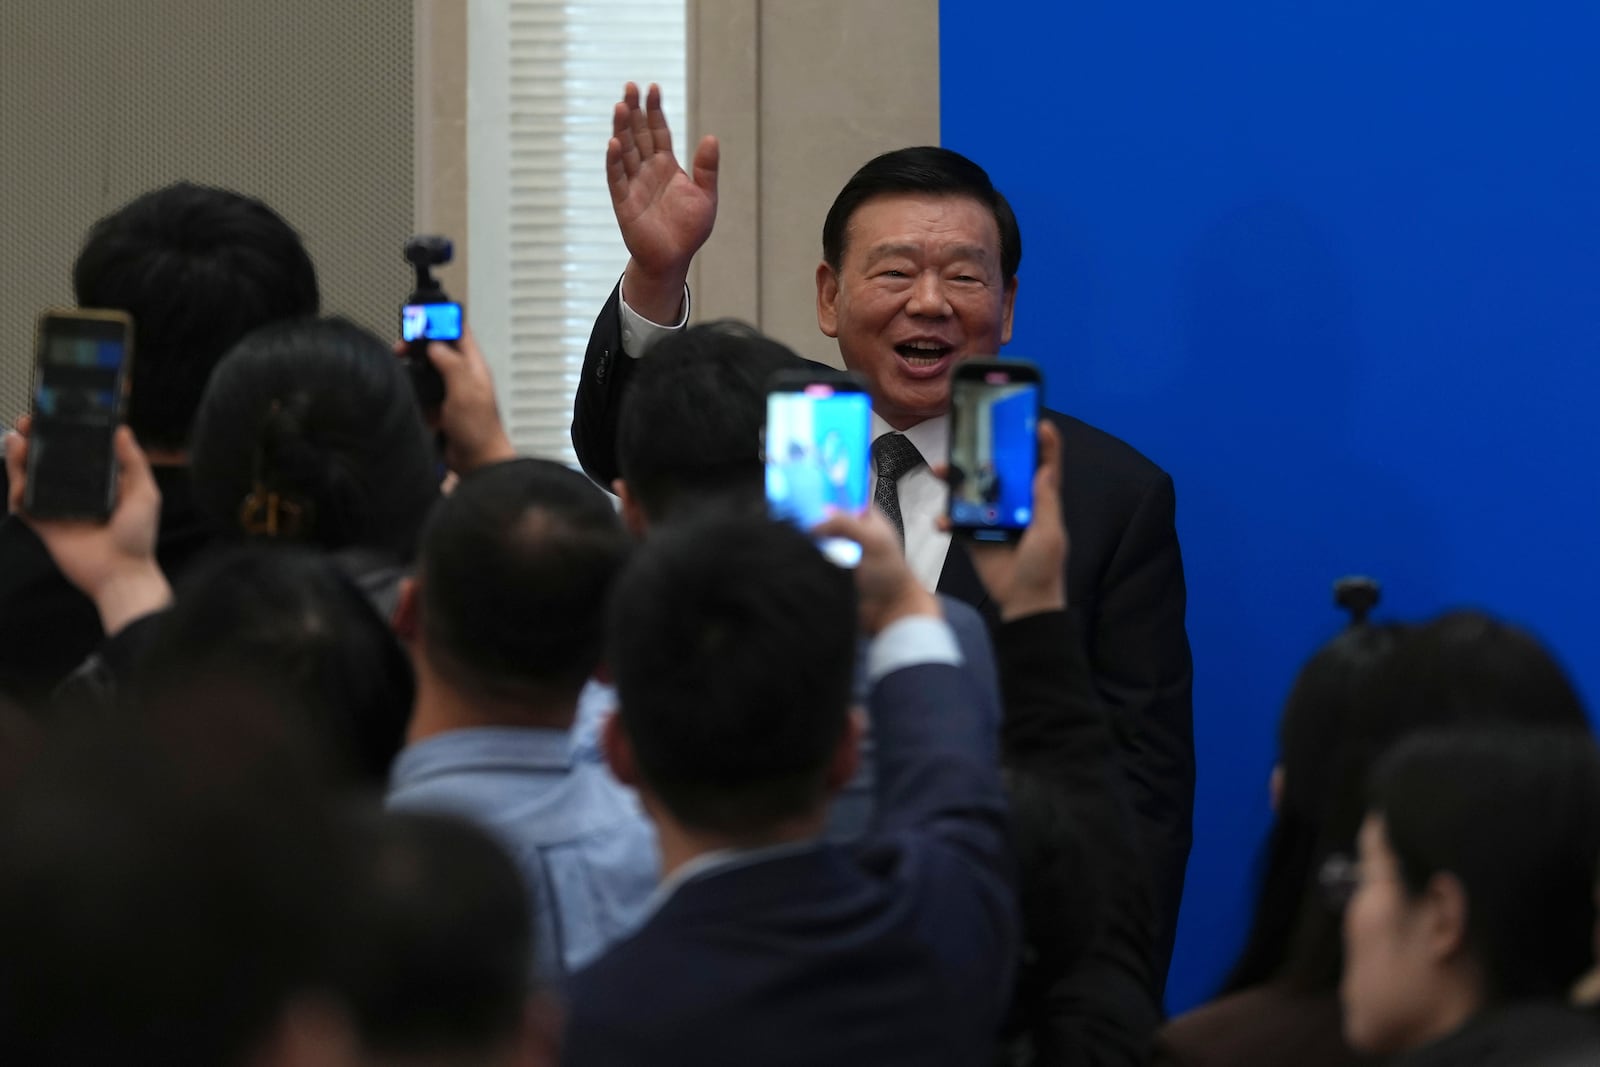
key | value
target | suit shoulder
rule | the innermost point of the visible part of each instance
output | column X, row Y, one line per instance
column 1088, row 447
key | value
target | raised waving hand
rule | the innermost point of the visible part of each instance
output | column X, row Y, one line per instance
column 665, row 213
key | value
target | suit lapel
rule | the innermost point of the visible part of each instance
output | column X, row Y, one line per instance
column 960, row 580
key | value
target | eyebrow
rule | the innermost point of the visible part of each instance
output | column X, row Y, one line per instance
column 961, row 251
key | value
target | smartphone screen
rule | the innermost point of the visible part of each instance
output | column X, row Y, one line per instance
column 430, row 322
column 79, row 380
column 994, row 444
column 818, row 449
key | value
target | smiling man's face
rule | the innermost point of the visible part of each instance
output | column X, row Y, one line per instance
column 919, row 289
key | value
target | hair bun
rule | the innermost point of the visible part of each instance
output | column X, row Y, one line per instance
column 1358, row 595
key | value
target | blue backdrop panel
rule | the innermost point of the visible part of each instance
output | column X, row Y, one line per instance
column 1336, row 266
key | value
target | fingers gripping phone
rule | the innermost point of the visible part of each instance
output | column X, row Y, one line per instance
column 428, row 315
column 994, row 447
column 79, row 399
column 818, row 443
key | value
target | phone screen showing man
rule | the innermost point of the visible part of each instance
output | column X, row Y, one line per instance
column 993, row 453
column 818, row 445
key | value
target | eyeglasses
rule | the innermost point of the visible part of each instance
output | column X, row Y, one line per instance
column 1339, row 879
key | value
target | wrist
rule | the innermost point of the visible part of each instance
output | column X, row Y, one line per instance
column 496, row 450
column 656, row 296
column 1031, row 603
column 911, row 602
column 129, row 593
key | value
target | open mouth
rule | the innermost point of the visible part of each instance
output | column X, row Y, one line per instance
column 923, row 354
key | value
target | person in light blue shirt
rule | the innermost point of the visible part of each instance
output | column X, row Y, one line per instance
column 505, row 621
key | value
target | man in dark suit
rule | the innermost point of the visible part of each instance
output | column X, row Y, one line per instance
column 733, row 642
column 919, row 272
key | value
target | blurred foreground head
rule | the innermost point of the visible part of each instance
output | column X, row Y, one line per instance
column 167, row 900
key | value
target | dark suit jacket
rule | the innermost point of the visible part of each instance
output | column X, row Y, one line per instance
column 898, row 949
column 47, row 628
column 1098, row 1009
column 1124, row 582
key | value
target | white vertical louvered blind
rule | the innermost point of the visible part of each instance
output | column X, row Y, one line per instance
column 543, row 78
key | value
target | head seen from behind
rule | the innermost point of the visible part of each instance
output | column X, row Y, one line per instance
column 509, row 605
column 733, row 644
column 689, row 437
column 1476, row 867
column 198, row 268
column 309, row 432
column 918, row 273
column 286, row 622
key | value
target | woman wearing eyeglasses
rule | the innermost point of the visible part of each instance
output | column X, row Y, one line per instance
column 1366, row 690
column 1472, row 910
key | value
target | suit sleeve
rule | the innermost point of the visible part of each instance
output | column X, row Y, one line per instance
column 941, row 809
column 1102, row 1008
column 596, row 411
column 1144, row 674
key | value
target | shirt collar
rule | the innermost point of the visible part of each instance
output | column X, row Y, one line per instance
column 931, row 436
column 716, row 862
column 480, row 747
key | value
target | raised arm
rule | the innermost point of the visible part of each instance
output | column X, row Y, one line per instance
column 1098, row 1008
column 665, row 214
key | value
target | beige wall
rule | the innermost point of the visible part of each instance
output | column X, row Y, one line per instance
column 440, row 93
column 801, row 93
column 304, row 103
column 313, row 106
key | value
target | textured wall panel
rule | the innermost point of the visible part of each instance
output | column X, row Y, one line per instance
column 304, row 103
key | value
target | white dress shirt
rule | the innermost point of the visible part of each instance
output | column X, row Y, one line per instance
column 923, row 498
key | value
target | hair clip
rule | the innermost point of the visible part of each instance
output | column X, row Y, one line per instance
column 266, row 512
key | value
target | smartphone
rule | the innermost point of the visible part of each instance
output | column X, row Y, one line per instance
column 818, row 445
column 994, row 447
column 79, row 397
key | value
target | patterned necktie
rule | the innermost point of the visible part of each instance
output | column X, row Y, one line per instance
column 894, row 455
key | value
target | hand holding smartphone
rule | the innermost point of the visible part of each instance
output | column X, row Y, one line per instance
column 818, row 443
column 994, row 434
column 80, row 395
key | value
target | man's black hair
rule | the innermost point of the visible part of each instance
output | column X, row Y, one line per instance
column 516, row 567
column 197, row 268
column 319, row 414
column 690, row 427
column 436, row 962
column 733, row 645
column 928, row 171
column 1512, row 815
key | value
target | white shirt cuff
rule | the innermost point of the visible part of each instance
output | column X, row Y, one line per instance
column 638, row 332
column 912, row 642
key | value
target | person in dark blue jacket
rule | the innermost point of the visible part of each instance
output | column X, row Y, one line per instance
column 733, row 641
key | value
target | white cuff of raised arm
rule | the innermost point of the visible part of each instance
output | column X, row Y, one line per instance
column 638, row 332
column 912, row 642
